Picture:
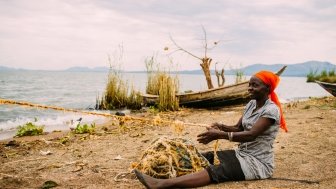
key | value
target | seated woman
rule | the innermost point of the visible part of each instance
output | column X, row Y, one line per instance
column 256, row 131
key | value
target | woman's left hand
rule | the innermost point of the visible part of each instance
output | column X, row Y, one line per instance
column 208, row 136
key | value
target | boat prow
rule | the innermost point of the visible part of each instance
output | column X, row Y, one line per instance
column 330, row 87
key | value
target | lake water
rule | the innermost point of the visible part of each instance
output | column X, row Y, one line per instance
column 79, row 90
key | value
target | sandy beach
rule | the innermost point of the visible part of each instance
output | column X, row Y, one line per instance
column 305, row 157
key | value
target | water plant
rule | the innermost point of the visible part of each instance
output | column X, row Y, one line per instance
column 324, row 76
column 29, row 129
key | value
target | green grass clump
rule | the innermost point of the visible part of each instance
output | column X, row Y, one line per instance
column 324, row 76
column 81, row 129
column 29, row 129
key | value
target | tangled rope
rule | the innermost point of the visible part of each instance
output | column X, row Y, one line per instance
column 156, row 121
column 170, row 157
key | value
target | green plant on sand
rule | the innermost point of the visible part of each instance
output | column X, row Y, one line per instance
column 29, row 129
column 81, row 129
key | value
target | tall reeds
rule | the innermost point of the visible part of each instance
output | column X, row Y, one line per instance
column 163, row 84
column 117, row 93
column 167, row 93
column 324, row 76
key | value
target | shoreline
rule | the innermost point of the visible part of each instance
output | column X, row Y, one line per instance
column 10, row 133
column 93, row 161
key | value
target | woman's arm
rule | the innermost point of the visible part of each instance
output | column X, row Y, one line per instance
column 226, row 128
column 240, row 136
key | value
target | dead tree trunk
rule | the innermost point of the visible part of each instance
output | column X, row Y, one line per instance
column 206, row 62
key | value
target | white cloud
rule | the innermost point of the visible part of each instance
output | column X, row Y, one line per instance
column 57, row 34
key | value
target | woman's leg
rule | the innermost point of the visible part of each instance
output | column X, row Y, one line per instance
column 198, row 179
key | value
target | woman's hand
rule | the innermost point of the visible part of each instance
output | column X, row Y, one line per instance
column 217, row 126
column 208, row 136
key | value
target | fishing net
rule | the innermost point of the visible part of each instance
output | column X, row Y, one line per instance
column 171, row 157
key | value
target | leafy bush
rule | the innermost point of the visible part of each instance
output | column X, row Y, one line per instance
column 29, row 129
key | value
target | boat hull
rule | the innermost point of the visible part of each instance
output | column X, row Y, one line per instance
column 221, row 96
column 330, row 87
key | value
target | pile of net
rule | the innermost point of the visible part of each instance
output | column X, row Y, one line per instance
column 171, row 157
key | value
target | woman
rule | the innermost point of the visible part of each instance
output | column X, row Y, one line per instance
column 256, row 131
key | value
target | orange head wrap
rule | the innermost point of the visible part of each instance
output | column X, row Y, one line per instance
column 272, row 81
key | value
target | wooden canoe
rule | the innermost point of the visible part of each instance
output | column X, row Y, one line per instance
column 221, row 96
column 330, row 87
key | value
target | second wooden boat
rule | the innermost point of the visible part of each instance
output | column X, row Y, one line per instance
column 330, row 87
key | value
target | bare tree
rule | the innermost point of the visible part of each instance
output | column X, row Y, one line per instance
column 205, row 60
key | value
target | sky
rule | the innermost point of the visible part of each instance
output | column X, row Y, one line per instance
column 58, row 34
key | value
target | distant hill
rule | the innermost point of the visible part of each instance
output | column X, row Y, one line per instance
column 300, row 69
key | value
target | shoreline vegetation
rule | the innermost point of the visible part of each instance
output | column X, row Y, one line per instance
column 118, row 93
column 162, row 83
column 324, row 76
column 103, row 158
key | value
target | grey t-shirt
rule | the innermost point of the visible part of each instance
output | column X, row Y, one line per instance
column 257, row 157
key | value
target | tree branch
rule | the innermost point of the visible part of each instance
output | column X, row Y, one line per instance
column 182, row 49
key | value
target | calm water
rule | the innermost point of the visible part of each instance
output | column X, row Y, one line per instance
column 80, row 89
